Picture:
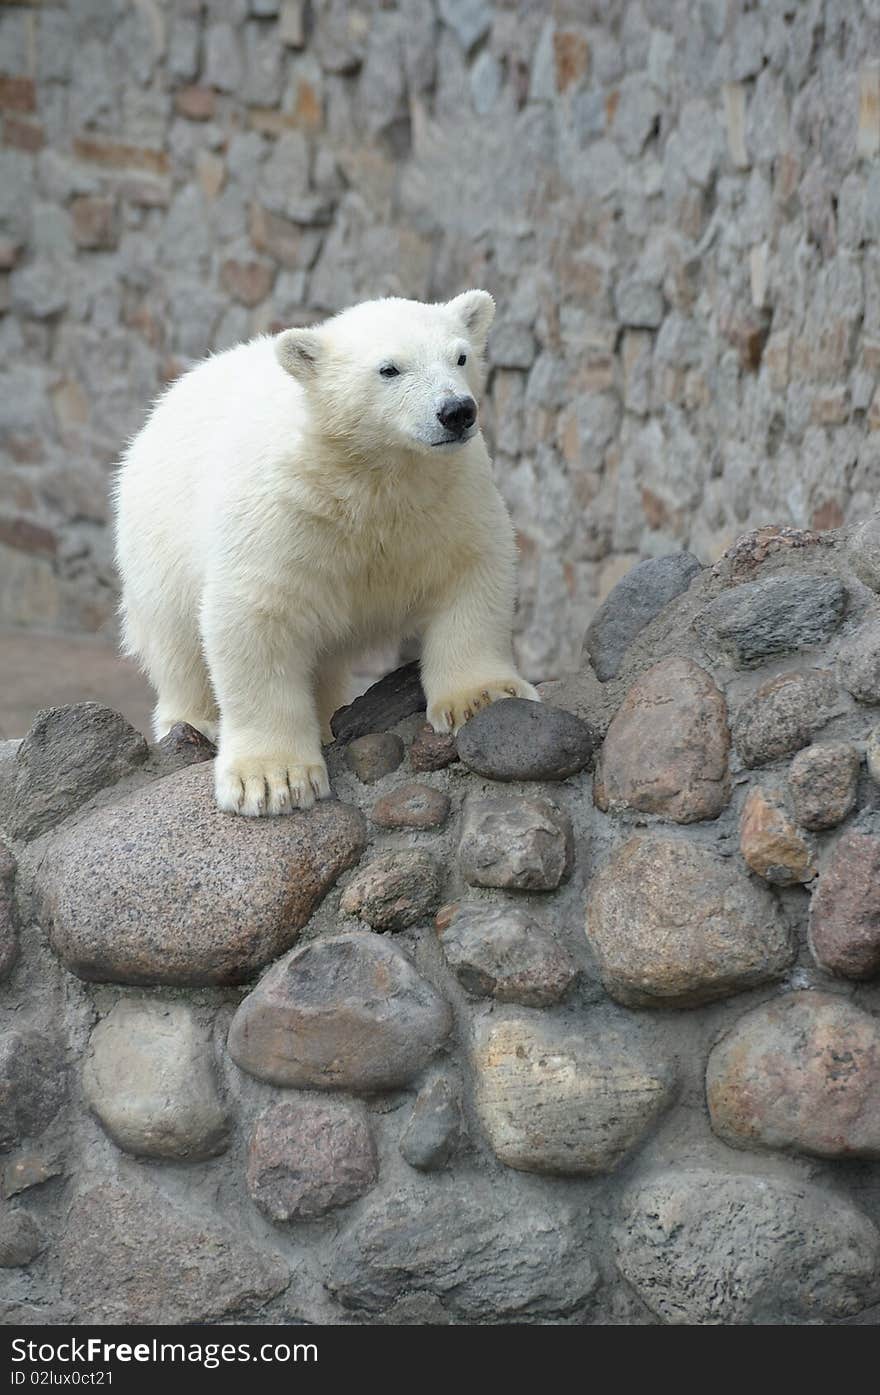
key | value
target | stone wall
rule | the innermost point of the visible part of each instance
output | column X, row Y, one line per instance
column 676, row 205
column 574, row 1020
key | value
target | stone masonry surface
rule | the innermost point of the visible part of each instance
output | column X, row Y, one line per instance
column 676, row 206
column 583, row 1027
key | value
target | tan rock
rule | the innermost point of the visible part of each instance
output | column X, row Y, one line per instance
column 773, row 847
column 666, row 750
column 672, row 924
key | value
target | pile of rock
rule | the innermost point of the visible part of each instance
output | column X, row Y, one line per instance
column 626, row 942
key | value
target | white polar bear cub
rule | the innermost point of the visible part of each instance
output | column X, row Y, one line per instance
column 301, row 498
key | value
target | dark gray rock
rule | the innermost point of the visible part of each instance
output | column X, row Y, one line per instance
column 347, row 1012
column 517, row 843
column 500, row 952
column 182, row 746
column 397, row 695
column 69, row 754
column 33, row 1084
column 434, row 1128
column 701, row 1248
column 149, row 1078
column 520, row 740
column 117, row 890
column 309, row 1154
column 746, row 625
column 130, row 1254
column 374, row 755
column 20, row 1237
column 485, row 1258
column 8, row 913
column 785, row 714
column 633, row 603
column 394, row 890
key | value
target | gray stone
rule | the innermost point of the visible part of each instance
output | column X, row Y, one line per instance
column 132, row 1254
column 858, row 663
column 345, row 1012
column 748, row 624
column 374, row 755
column 512, row 346
column 69, row 754
column 863, row 551
column 183, row 48
column 673, row 924
column 8, row 912
column 116, row 889
column 411, row 806
column 20, row 1238
column 33, row 1084
column 340, row 37
column 638, row 304
column 470, row 20
column 394, row 890
column 500, row 952
column 516, row 842
column 800, row 1073
column 434, row 1128
column 485, row 1256
column 633, row 603
column 701, row 1248
column 397, row 695
column 562, row 1102
column 149, row 1077
column 520, row 740
column 785, row 714
column 823, row 782
column 222, row 64
column 39, row 291
column 309, row 1155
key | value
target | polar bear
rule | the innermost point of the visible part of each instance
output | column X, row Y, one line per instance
column 303, row 497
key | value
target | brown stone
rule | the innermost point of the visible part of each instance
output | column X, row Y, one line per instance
column 183, row 745
column 516, row 842
column 94, row 222
column 308, row 1155
column 744, row 557
column 373, row 756
column 276, row 236
column 845, row 911
column 345, row 1012
column 801, row 1072
column 211, row 173
column 785, row 714
column 249, row 282
column 823, row 783
column 571, row 55
column 20, row 134
column 666, row 750
column 196, row 103
column 18, row 94
column 394, row 890
column 672, row 924
column 432, row 750
column 162, row 887
column 118, row 155
column 772, row 846
column 411, row 806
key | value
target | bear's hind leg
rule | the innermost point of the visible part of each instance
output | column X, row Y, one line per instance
column 183, row 688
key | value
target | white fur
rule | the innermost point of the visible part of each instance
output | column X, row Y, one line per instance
column 285, row 507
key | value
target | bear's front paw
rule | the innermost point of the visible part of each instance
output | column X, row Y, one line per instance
column 253, row 786
column 451, row 711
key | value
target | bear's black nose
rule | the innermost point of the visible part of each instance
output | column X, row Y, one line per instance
column 457, row 414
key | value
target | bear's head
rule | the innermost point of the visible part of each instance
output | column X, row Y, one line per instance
column 394, row 374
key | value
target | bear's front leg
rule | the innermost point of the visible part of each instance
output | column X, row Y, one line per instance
column 269, row 750
column 467, row 660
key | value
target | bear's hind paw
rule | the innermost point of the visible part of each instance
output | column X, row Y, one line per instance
column 450, row 712
column 257, row 788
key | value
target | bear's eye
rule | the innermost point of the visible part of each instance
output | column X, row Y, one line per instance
column 389, row 370
column 462, row 360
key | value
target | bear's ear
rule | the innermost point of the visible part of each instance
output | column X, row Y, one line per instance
column 475, row 311
column 299, row 353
